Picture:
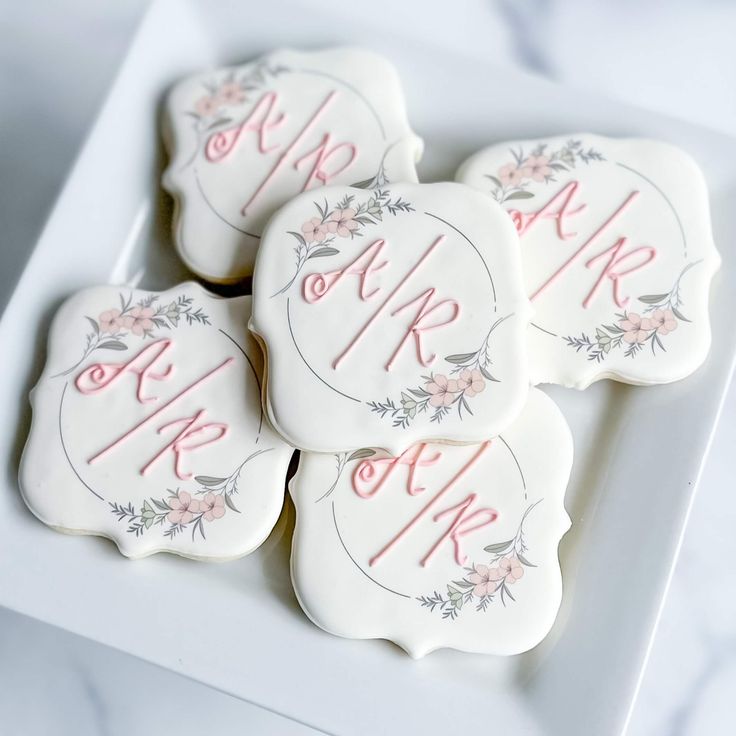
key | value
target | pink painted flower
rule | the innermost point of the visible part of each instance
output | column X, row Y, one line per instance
column 183, row 508
column 663, row 320
column 635, row 329
column 231, row 93
column 206, row 106
column 213, row 506
column 110, row 321
column 537, row 168
column 510, row 569
column 471, row 382
column 484, row 579
column 510, row 175
column 314, row 229
column 139, row 320
column 342, row 222
column 443, row 390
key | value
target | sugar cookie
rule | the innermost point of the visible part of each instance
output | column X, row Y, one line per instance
column 244, row 140
column 391, row 316
column 442, row 546
column 147, row 425
column 617, row 251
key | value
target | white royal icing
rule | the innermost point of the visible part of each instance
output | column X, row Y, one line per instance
column 444, row 546
column 243, row 140
column 147, row 425
column 390, row 316
column 617, row 251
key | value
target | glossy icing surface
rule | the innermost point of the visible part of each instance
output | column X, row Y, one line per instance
column 244, row 140
column 441, row 546
column 147, row 425
column 617, row 251
column 391, row 316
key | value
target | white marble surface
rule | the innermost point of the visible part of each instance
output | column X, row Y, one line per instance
column 676, row 57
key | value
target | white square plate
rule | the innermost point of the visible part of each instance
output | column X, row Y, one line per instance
column 237, row 626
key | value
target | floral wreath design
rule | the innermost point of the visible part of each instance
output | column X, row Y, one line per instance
column 632, row 331
column 540, row 165
column 629, row 331
column 180, row 509
column 440, row 392
column 319, row 236
column 114, row 326
column 486, row 583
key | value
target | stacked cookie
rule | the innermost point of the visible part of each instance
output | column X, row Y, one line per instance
column 395, row 335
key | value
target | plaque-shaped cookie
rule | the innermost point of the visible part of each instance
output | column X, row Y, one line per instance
column 391, row 316
column 244, row 140
column 440, row 546
column 617, row 251
column 147, row 425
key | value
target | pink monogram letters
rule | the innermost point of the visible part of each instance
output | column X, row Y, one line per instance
column 192, row 431
column 368, row 480
column 327, row 160
column 558, row 208
column 431, row 313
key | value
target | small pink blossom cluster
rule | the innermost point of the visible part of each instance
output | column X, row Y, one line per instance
column 229, row 93
column 486, row 579
column 340, row 222
column 445, row 390
column 137, row 320
column 536, row 168
column 637, row 328
column 184, row 507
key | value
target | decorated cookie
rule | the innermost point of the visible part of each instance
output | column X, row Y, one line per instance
column 617, row 250
column 147, row 425
column 391, row 315
column 440, row 546
column 244, row 140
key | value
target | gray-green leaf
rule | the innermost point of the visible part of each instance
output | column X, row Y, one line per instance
column 94, row 324
column 488, row 376
column 365, row 184
column 298, row 236
column 460, row 358
column 520, row 195
column 653, row 298
column 494, row 549
column 322, row 252
column 209, row 480
column 360, row 454
column 113, row 345
column 229, row 503
column 524, row 561
column 221, row 121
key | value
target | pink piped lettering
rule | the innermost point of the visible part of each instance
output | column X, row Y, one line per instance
column 610, row 271
column 343, row 153
column 283, row 157
column 316, row 286
column 463, row 524
column 99, row 376
column 191, row 437
column 261, row 120
column 421, row 323
column 429, row 506
column 368, row 478
column 382, row 308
